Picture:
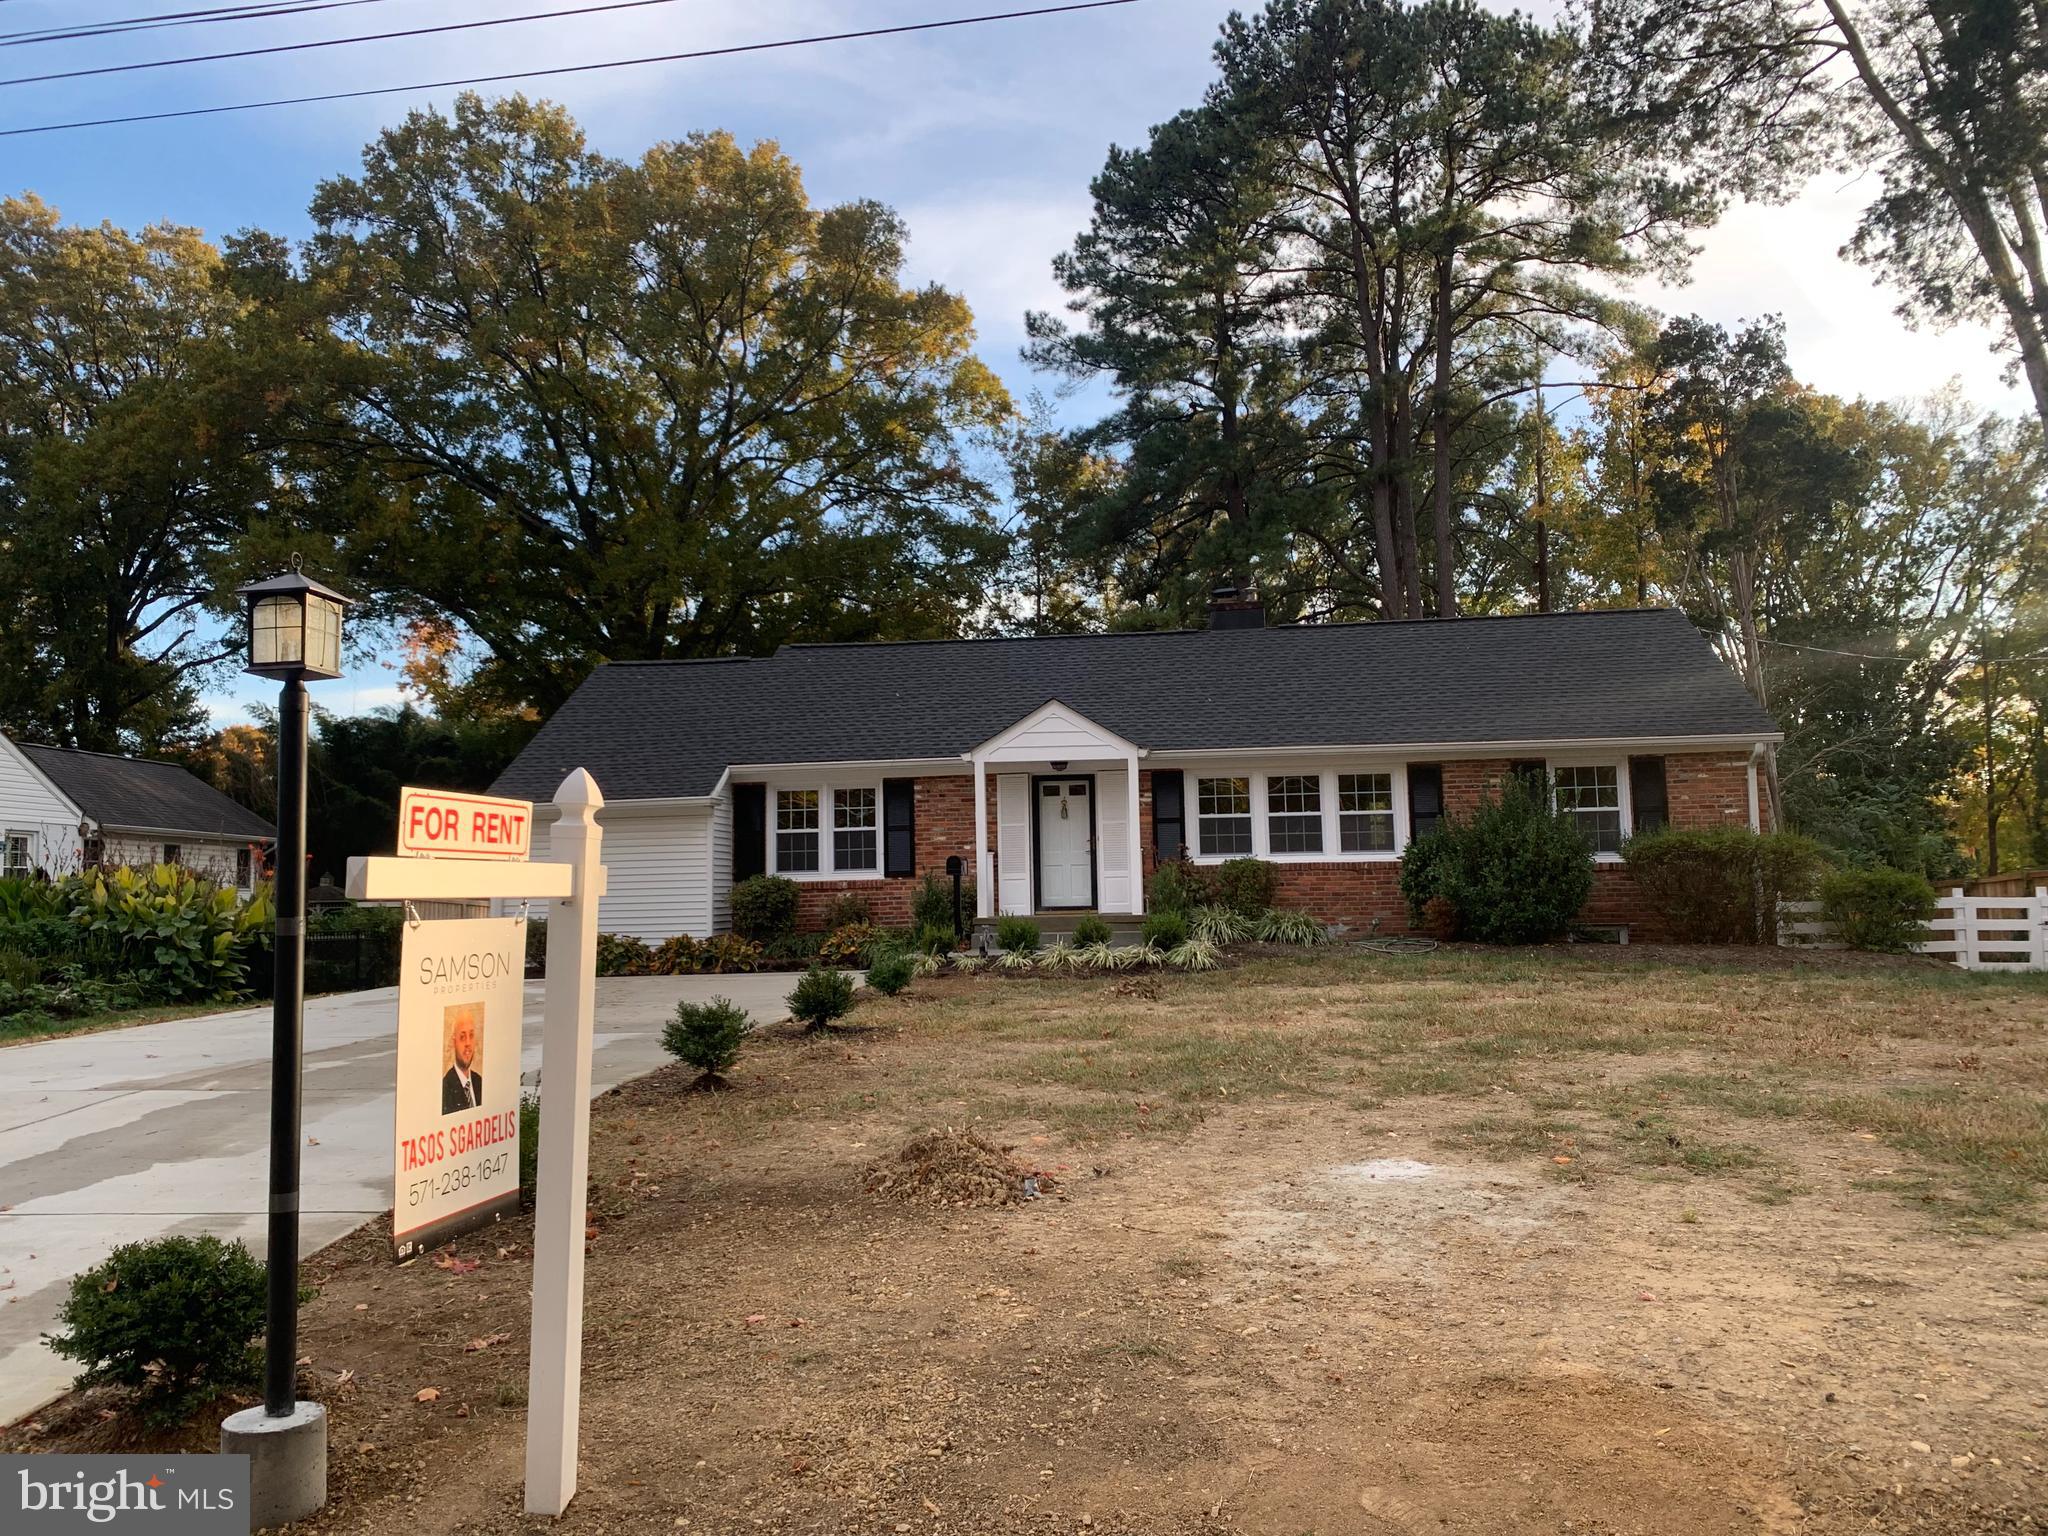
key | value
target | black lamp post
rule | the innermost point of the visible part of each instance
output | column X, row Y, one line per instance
column 294, row 635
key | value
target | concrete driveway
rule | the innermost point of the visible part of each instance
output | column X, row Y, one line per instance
column 137, row 1133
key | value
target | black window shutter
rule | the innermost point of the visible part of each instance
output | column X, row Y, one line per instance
column 1425, row 797
column 1648, row 796
column 1169, row 813
column 749, row 830
column 899, row 827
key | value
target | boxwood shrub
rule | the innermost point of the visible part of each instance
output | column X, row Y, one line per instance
column 1722, row 885
column 763, row 908
column 1513, row 872
column 1878, row 909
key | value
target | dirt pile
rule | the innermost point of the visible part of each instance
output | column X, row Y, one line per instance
column 953, row 1168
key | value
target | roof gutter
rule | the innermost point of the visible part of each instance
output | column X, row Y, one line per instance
column 102, row 828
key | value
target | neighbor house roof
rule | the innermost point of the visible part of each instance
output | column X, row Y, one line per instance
column 131, row 792
column 658, row 730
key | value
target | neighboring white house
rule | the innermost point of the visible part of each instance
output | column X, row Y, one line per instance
column 63, row 810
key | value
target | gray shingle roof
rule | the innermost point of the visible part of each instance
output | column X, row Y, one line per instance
column 133, row 792
column 650, row 730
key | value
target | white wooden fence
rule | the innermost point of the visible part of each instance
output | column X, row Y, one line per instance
column 1979, row 933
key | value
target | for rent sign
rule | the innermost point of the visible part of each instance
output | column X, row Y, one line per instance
column 437, row 824
column 460, row 1000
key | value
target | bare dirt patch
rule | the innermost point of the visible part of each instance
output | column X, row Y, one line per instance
column 1454, row 1243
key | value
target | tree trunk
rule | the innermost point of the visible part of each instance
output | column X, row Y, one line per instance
column 1440, row 527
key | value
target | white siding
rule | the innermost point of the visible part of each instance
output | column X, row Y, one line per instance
column 27, row 804
column 721, row 863
column 659, row 875
column 212, row 857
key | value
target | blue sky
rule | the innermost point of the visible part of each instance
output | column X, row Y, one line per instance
column 983, row 138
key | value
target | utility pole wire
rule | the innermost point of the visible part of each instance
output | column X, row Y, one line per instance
column 335, row 42
column 257, row 10
column 563, row 69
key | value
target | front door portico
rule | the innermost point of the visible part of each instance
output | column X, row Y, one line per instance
column 1066, row 842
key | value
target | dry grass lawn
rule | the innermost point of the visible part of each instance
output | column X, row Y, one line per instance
column 1604, row 1242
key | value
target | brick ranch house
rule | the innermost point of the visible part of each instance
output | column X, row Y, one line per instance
column 1064, row 769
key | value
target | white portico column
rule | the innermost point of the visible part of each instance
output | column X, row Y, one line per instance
column 984, row 887
column 1137, row 838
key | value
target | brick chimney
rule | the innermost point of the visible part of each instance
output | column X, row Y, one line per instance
column 1236, row 608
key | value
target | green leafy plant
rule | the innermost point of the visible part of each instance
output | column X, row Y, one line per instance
column 1514, row 872
column 1165, row 930
column 1091, row 929
column 1195, row 955
column 1292, row 928
column 1098, row 956
column 1059, row 957
column 763, row 907
column 724, row 953
column 1246, row 886
column 23, row 901
column 173, row 1320
column 1017, row 933
column 192, row 936
column 19, row 971
column 678, row 955
column 890, row 972
column 1221, row 925
column 935, row 938
column 1878, row 909
column 708, row 1036
column 849, row 945
column 620, row 954
column 820, row 997
column 965, row 964
column 529, row 1147
column 1016, row 960
column 1178, row 886
column 793, row 946
column 1709, row 885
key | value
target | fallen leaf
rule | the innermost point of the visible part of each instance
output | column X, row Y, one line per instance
column 756, row 1317
column 1562, row 1161
column 362, row 1306
column 344, row 1378
column 462, row 1412
column 427, row 1395
column 456, row 1265
column 477, row 1346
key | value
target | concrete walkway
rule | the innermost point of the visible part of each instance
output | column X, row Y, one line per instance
column 138, row 1133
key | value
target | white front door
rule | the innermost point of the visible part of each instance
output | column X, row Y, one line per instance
column 1066, row 843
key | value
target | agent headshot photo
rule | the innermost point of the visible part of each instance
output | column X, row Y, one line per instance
column 462, row 1086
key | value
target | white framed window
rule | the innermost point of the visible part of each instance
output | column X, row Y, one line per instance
column 245, row 868
column 1590, row 793
column 1365, row 812
column 855, row 824
column 796, row 831
column 17, row 865
column 1223, row 817
column 1294, row 813
column 173, row 852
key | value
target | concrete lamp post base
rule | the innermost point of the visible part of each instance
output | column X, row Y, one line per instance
column 287, row 1461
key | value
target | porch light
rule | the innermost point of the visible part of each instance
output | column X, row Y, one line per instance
column 294, row 627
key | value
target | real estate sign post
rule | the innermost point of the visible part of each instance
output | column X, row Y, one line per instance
column 467, row 859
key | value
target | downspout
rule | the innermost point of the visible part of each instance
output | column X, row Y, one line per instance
column 1756, row 756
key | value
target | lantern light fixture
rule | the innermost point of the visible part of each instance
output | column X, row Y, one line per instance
column 294, row 626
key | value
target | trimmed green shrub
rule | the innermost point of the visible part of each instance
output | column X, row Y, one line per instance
column 1018, row 933
column 1879, row 909
column 708, row 1036
column 890, row 972
column 620, row 954
column 1246, row 886
column 1091, row 929
column 1165, row 930
column 1514, row 872
column 1711, row 885
column 820, row 997
column 763, row 908
column 935, row 939
column 173, row 1320
column 931, row 904
column 791, row 946
column 1177, row 887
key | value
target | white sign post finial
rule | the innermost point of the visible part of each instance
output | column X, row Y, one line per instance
column 555, row 1373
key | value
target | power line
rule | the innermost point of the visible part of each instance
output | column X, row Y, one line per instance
column 336, row 42
column 254, row 10
column 565, row 69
